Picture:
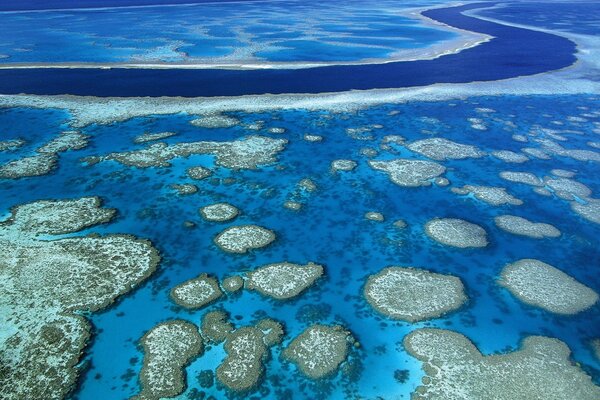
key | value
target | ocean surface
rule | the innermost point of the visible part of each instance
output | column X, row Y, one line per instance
column 331, row 228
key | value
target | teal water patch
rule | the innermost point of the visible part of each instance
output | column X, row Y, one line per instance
column 331, row 230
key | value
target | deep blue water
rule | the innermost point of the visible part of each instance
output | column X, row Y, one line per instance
column 330, row 230
column 513, row 52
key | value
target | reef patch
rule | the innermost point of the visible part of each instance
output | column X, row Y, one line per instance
column 542, row 285
column 456, row 232
column 540, row 369
column 412, row 294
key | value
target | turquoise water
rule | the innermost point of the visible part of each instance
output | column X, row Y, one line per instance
column 330, row 230
column 245, row 31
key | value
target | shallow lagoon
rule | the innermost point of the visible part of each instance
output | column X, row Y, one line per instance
column 241, row 32
column 331, row 230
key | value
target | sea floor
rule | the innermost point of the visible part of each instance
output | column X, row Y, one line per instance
column 330, row 229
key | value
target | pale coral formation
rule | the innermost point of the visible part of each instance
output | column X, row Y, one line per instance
column 510, row 156
column 313, row 138
column 197, row 293
column 542, row 285
column 413, row 294
column 455, row 369
column 495, row 196
column 319, row 350
column 10, row 145
column 284, row 280
column 232, row 284
column 184, row 189
column 374, row 216
column 524, row 227
column 198, row 173
column 216, row 326
column 246, row 153
column 150, row 137
column 441, row 149
column 168, row 348
column 242, row 238
column 343, row 165
column 247, row 349
column 521, row 177
column 409, row 173
column 456, row 232
column 37, row 165
column 48, row 283
column 589, row 210
column 215, row 121
column 219, row 212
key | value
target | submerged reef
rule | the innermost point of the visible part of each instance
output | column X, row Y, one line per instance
column 219, row 212
column 247, row 153
column 375, row 216
column 456, row 232
column 197, row 293
column 455, row 369
column 495, row 196
column 198, row 173
column 10, row 145
column 441, row 149
column 284, row 280
column 409, row 173
column 150, row 137
column 168, row 348
column 319, row 350
column 542, row 285
column 46, row 158
column 524, row 227
column 184, row 189
column 48, row 283
column 215, row 121
column 413, row 294
column 242, row 238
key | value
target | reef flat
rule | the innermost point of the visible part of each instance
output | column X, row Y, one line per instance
column 524, row 227
column 441, row 149
column 219, row 212
column 455, row 369
column 542, row 285
column 48, row 282
column 456, row 232
column 409, row 173
column 247, row 153
column 319, row 350
column 46, row 156
column 243, row 238
column 495, row 196
column 168, row 348
column 413, row 294
column 151, row 137
column 284, row 280
column 196, row 293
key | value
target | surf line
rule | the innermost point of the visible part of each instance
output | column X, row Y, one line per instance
column 512, row 52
